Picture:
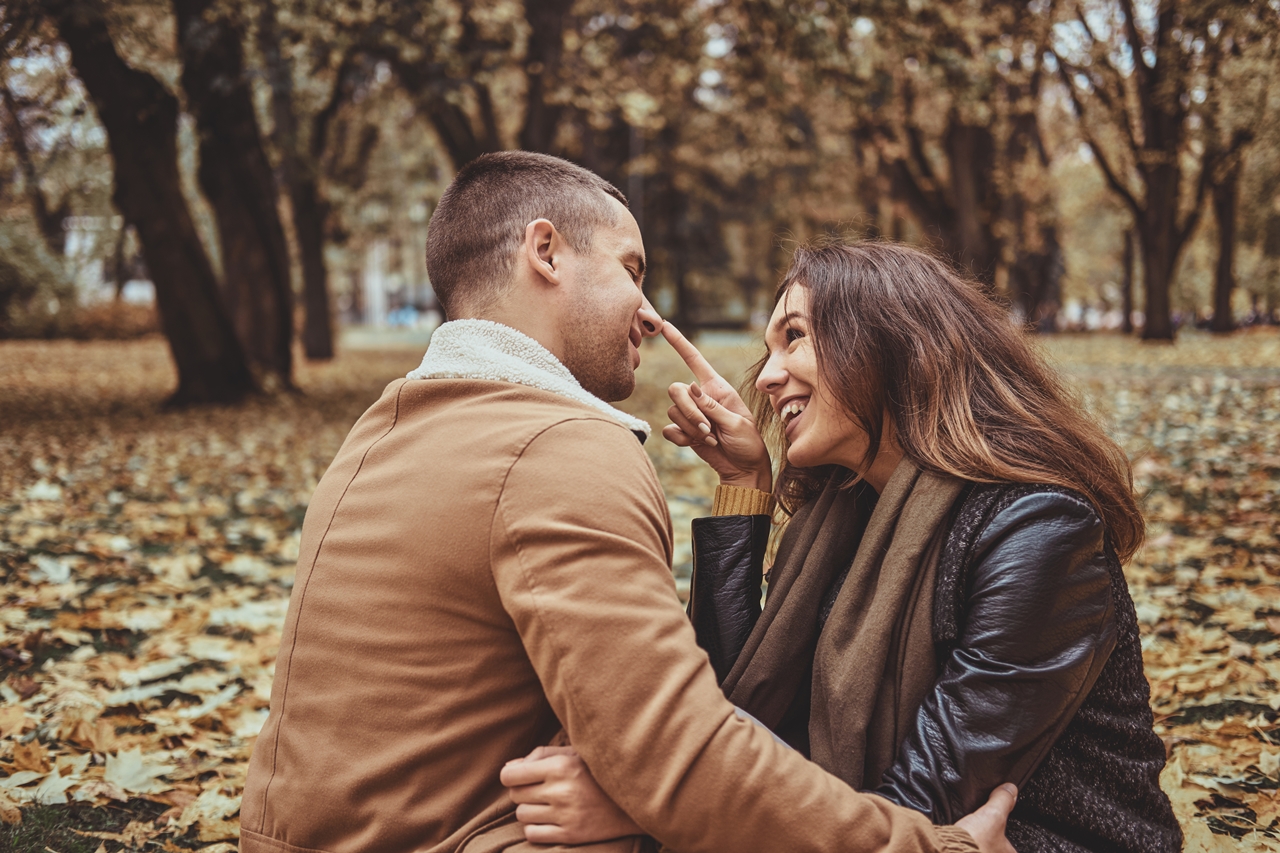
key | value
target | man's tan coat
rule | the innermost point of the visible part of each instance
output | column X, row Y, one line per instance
column 482, row 563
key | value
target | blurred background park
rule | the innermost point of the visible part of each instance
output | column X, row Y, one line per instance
column 212, row 222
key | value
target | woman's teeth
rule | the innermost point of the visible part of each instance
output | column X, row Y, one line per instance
column 790, row 410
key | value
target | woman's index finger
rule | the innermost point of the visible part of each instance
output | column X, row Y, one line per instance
column 697, row 363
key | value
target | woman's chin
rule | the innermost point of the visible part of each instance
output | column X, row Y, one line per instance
column 799, row 459
column 799, row 456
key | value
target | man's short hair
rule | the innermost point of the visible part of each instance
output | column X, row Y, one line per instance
column 478, row 226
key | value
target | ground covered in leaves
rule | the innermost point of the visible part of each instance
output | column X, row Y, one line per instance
column 147, row 557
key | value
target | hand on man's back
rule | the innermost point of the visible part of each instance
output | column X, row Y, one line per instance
column 987, row 824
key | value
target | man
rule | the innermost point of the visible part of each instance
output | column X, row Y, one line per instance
column 488, row 559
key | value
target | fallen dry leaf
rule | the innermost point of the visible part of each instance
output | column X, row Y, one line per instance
column 52, row 790
column 31, row 756
column 132, row 773
column 13, row 721
column 10, row 812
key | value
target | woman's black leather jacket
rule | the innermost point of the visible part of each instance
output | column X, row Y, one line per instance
column 1037, row 649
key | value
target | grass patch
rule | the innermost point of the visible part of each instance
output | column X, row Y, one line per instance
column 54, row 827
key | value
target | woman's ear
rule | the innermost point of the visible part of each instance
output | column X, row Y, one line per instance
column 543, row 250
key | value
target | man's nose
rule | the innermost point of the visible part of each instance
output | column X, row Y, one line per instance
column 650, row 322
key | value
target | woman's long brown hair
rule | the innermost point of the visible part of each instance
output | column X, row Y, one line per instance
column 897, row 331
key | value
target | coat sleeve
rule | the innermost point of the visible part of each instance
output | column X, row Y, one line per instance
column 1039, row 626
column 724, row 598
column 581, row 557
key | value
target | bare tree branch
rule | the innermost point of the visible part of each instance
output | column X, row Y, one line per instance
column 1134, row 40
column 1193, row 217
column 48, row 217
column 1213, row 165
column 341, row 91
column 1099, row 155
column 1117, row 113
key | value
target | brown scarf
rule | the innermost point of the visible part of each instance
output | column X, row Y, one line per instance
column 874, row 661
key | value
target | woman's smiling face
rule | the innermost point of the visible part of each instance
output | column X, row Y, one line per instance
column 818, row 430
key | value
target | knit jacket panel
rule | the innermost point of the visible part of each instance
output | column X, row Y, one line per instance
column 1098, row 788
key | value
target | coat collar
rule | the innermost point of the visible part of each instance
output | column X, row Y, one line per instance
column 483, row 349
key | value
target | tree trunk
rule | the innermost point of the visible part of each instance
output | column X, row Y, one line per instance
column 1271, row 251
column 1154, row 125
column 1225, row 195
column 119, row 276
column 1041, row 279
column 237, row 179
column 959, row 209
column 971, row 156
column 1049, row 292
column 299, row 176
column 1158, row 230
column 1126, row 285
column 1156, row 278
column 1035, row 274
column 308, row 225
column 546, row 44
column 1026, row 226
column 141, row 121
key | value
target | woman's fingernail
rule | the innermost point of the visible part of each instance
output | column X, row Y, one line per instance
column 695, row 390
column 711, row 440
column 706, row 429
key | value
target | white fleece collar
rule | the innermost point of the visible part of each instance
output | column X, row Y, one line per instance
column 482, row 349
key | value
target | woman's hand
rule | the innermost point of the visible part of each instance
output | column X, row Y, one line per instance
column 987, row 824
column 710, row 417
column 558, row 801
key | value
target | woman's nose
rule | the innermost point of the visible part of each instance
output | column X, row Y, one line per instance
column 772, row 375
column 650, row 322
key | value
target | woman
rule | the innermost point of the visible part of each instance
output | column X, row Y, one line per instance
column 946, row 611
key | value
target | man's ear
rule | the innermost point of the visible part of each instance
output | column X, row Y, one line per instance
column 544, row 250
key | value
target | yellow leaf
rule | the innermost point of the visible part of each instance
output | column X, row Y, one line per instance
column 9, row 812
column 98, row 791
column 218, row 830
column 53, row 790
column 13, row 721
column 210, row 809
column 1269, row 764
column 31, row 756
column 97, row 735
column 131, row 772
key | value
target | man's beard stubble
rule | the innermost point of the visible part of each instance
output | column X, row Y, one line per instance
column 601, row 366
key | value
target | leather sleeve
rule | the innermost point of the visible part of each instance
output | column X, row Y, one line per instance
column 1039, row 625
column 724, row 599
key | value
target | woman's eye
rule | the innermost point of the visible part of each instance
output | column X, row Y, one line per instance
column 794, row 335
